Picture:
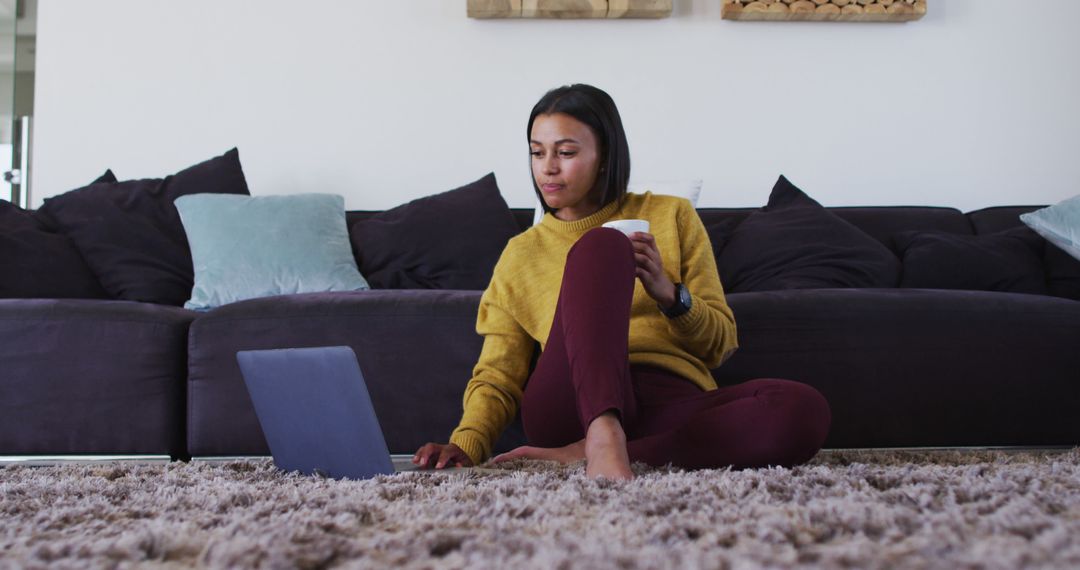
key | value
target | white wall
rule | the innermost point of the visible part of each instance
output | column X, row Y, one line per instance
column 386, row 101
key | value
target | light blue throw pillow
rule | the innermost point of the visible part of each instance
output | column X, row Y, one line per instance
column 1059, row 224
column 244, row 247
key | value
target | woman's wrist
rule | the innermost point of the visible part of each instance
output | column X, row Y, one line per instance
column 669, row 297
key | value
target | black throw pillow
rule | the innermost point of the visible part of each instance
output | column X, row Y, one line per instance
column 130, row 233
column 719, row 232
column 1062, row 272
column 446, row 241
column 36, row 262
column 795, row 243
column 1002, row 261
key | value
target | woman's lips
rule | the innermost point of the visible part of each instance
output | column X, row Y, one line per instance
column 551, row 187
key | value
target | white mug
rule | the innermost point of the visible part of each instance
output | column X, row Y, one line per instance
column 628, row 227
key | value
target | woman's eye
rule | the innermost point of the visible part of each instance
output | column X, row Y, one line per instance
column 535, row 153
column 567, row 154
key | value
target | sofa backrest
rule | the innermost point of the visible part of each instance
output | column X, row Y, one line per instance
column 878, row 221
column 882, row 222
column 998, row 218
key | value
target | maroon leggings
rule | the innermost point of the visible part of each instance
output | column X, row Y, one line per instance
column 584, row 372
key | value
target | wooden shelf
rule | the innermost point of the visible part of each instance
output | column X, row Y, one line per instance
column 569, row 9
column 824, row 10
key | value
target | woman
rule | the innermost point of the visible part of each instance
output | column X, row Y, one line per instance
column 629, row 327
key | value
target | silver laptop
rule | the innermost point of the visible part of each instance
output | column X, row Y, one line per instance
column 316, row 413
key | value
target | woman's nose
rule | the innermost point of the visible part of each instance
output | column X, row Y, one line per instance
column 551, row 166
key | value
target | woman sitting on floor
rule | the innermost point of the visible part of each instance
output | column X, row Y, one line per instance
column 629, row 326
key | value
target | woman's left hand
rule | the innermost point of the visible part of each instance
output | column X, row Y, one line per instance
column 650, row 269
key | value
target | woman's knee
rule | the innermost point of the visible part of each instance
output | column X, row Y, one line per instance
column 602, row 251
column 800, row 418
column 607, row 241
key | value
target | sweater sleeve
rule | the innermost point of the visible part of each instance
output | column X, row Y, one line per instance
column 494, row 393
column 708, row 329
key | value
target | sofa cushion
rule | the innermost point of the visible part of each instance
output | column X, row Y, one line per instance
column 1059, row 224
column 882, row 222
column 997, row 218
column 795, row 243
column 1062, row 270
column 917, row 367
column 130, row 234
column 38, row 262
column 92, row 376
column 245, row 247
column 446, row 241
column 1003, row 261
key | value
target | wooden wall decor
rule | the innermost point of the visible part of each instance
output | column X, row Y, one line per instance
column 566, row 9
column 825, row 10
column 494, row 8
column 639, row 8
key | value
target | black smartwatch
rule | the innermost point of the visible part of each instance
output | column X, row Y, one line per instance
column 682, row 302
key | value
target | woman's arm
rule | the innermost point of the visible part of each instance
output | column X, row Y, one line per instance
column 494, row 393
column 708, row 329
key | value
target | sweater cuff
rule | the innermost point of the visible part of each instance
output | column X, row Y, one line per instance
column 687, row 324
column 472, row 446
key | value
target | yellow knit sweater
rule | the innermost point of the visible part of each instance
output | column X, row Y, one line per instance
column 518, row 307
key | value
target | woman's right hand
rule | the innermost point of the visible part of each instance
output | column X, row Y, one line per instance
column 440, row 455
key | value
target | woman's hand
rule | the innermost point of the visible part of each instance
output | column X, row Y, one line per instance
column 650, row 269
column 440, row 456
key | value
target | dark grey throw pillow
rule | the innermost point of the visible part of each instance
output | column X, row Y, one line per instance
column 719, row 231
column 36, row 262
column 446, row 241
column 795, row 243
column 1002, row 261
column 130, row 233
column 1062, row 273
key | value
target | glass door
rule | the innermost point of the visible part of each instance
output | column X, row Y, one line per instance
column 14, row 146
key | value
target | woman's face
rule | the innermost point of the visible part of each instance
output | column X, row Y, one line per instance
column 565, row 162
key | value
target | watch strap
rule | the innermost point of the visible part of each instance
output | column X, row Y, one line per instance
column 681, row 307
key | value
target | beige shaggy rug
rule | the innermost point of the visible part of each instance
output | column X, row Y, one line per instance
column 846, row 509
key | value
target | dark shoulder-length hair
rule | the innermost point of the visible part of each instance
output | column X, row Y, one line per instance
column 596, row 109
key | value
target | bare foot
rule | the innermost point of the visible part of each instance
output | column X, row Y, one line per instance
column 605, row 450
column 566, row 454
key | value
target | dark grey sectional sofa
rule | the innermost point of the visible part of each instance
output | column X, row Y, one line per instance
column 900, row 367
